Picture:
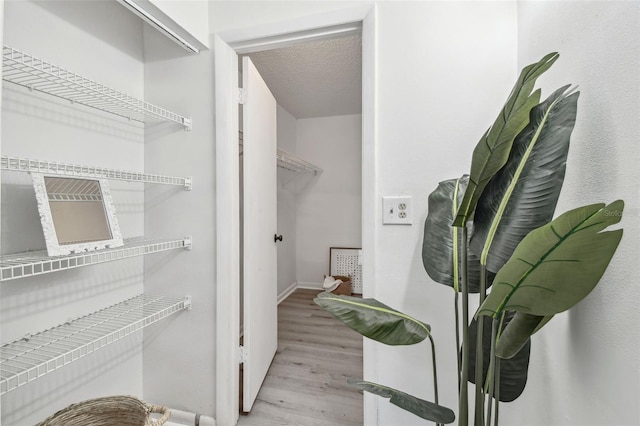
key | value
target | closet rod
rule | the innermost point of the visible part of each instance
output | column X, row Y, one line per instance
column 288, row 161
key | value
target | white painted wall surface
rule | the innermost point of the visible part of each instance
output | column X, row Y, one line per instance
column 444, row 70
column 80, row 37
column 329, row 204
column 179, row 354
column 286, row 206
column 585, row 364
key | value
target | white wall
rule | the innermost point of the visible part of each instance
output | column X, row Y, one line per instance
column 444, row 70
column 82, row 38
column 329, row 204
column 286, row 206
column 179, row 354
column 585, row 363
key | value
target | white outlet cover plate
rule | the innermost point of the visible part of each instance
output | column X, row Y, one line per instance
column 396, row 210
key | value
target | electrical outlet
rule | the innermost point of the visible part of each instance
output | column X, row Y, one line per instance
column 396, row 210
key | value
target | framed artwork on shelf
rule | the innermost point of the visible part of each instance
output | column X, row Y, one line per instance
column 77, row 214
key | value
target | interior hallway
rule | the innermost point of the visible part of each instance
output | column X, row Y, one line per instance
column 306, row 384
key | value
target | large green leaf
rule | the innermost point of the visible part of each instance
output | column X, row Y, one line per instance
column 513, row 371
column 557, row 265
column 493, row 149
column 518, row 333
column 523, row 195
column 374, row 320
column 441, row 243
column 421, row 408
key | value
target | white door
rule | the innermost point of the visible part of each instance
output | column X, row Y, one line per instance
column 260, row 257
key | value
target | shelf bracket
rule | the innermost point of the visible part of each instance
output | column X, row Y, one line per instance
column 188, row 183
column 188, row 243
column 187, row 303
column 188, row 125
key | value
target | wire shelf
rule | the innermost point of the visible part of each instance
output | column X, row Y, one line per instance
column 29, row 264
column 19, row 164
column 33, row 356
column 28, row 71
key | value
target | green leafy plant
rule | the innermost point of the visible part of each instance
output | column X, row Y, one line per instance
column 493, row 229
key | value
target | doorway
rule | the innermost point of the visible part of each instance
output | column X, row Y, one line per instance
column 227, row 180
column 317, row 86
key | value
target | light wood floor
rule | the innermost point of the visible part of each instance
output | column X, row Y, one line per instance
column 306, row 384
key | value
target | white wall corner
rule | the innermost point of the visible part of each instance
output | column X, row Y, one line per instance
column 282, row 296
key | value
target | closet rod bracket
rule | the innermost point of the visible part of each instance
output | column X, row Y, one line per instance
column 188, row 243
column 188, row 183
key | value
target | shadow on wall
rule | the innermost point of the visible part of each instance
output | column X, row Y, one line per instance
column 26, row 405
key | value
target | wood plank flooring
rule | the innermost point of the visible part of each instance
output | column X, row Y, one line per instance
column 307, row 382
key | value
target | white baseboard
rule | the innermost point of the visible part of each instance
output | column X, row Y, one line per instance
column 287, row 292
column 310, row 286
column 184, row 418
column 293, row 287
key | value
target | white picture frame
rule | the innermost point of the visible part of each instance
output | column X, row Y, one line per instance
column 347, row 261
column 76, row 213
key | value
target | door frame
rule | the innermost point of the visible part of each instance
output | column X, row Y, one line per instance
column 264, row 37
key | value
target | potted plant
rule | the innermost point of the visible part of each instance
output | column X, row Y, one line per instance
column 492, row 232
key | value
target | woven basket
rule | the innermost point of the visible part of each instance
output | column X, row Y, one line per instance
column 109, row 411
column 345, row 287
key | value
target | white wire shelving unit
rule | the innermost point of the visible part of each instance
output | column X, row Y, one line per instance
column 19, row 164
column 36, row 74
column 29, row 264
column 33, row 356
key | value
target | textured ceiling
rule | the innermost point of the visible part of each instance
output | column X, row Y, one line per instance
column 316, row 79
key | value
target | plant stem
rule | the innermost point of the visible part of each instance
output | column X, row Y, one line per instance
column 463, row 400
column 497, row 391
column 491, row 365
column 497, row 368
column 456, row 281
column 490, row 373
column 458, row 347
column 479, row 405
column 435, row 372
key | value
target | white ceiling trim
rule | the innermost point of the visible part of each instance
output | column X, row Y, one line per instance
column 291, row 39
column 265, row 36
